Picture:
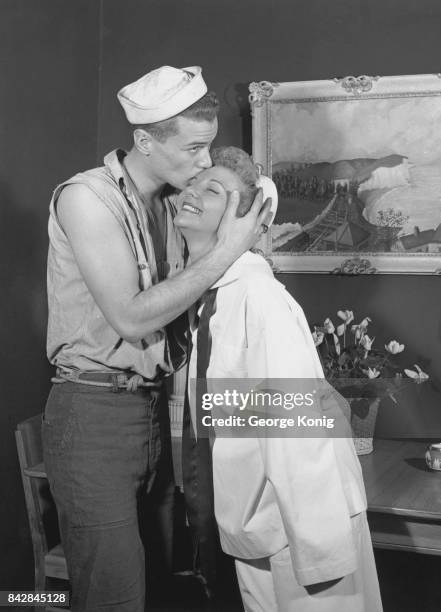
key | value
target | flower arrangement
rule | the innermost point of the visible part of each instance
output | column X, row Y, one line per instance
column 354, row 366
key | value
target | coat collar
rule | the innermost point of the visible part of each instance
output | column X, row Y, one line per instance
column 245, row 265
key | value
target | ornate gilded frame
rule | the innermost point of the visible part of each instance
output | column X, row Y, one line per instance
column 266, row 96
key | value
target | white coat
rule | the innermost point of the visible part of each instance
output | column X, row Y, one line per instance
column 271, row 493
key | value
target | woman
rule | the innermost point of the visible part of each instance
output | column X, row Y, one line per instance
column 291, row 510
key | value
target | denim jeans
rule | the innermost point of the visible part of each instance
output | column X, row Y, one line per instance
column 107, row 453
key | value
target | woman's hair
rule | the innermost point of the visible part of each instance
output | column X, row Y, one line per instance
column 241, row 163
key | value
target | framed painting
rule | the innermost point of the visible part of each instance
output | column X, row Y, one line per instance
column 357, row 164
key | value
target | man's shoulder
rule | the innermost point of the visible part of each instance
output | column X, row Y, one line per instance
column 97, row 184
column 99, row 175
column 100, row 181
column 110, row 173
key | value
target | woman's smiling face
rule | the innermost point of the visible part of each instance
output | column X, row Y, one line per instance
column 202, row 203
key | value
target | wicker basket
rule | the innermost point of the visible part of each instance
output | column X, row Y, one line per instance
column 363, row 418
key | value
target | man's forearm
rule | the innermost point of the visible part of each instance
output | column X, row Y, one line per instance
column 160, row 304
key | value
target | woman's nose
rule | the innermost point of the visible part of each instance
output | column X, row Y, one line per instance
column 191, row 191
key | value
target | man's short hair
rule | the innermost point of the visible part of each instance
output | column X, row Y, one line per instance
column 204, row 109
column 238, row 161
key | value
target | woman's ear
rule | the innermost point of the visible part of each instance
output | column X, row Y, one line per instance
column 259, row 168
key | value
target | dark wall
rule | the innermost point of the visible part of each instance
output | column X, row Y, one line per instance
column 278, row 40
column 405, row 308
column 61, row 64
column 48, row 108
column 287, row 40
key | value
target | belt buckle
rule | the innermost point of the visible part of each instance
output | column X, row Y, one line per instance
column 117, row 382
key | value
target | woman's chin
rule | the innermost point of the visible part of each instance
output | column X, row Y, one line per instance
column 180, row 221
column 188, row 221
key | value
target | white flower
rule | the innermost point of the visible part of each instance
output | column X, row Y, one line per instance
column 341, row 329
column 372, row 372
column 329, row 326
column 360, row 329
column 394, row 347
column 346, row 315
column 317, row 337
column 366, row 342
column 356, row 329
column 418, row 376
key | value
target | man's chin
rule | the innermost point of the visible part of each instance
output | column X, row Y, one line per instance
column 180, row 185
column 187, row 182
column 191, row 179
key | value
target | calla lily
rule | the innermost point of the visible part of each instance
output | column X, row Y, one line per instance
column 372, row 372
column 366, row 342
column 329, row 326
column 365, row 323
column 418, row 376
column 346, row 315
column 394, row 347
column 317, row 337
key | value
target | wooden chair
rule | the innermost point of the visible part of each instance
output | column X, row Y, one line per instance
column 49, row 560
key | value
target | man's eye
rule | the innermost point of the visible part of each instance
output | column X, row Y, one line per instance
column 213, row 190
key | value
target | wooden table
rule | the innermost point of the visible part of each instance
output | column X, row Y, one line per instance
column 404, row 497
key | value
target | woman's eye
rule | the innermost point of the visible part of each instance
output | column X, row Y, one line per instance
column 213, row 190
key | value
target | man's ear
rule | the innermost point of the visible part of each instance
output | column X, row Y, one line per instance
column 143, row 141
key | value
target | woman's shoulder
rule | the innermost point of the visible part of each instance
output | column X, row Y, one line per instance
column 259, row 279
column 265, row 295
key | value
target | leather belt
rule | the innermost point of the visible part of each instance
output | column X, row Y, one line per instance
column 113, row 380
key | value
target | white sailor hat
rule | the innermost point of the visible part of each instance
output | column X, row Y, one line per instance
column 269, row 190
column 161, row 94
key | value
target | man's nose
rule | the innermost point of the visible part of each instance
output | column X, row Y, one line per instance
column 205, row 159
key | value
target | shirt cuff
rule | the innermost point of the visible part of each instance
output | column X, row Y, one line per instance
column 327, row 571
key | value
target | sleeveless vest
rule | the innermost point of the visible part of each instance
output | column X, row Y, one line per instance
column 79, row 337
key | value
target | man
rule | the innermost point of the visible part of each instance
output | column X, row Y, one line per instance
column 115, row 281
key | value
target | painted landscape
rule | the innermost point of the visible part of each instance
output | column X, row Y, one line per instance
column 357, row 175
column 364, row 204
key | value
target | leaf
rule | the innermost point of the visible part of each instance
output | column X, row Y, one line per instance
column 343, row 359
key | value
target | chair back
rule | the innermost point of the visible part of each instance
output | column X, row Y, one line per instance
column 41, row 510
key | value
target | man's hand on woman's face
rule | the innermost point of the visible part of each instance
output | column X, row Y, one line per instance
column 238, row 234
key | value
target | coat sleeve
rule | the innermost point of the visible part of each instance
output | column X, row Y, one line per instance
column 304, row 472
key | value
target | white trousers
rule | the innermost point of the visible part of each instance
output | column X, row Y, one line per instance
column 269, row 584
